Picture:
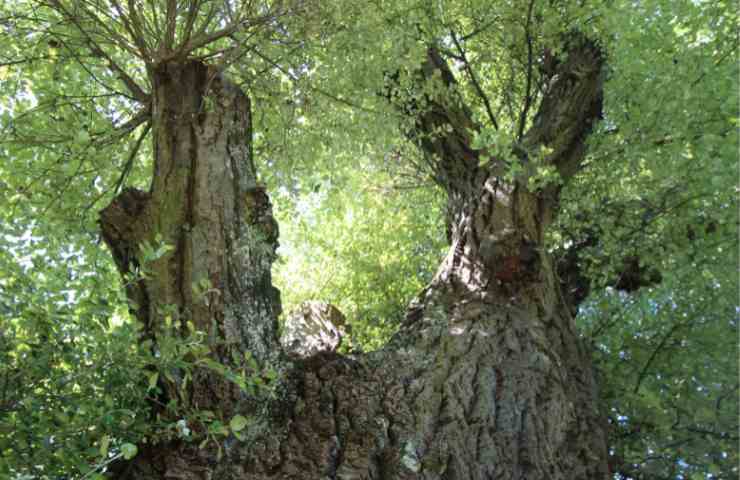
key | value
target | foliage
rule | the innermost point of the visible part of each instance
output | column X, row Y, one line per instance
column 662, row 187
column 76, row 385
column 669, row 383
column 72, row 390
column 362, row 245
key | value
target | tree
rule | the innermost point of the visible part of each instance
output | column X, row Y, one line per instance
column 487, row 374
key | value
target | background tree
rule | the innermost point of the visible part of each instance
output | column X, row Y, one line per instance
column 378, row 249
column 493, row 109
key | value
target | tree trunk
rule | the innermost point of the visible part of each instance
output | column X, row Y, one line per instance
column 487, row 377
column 206, row 205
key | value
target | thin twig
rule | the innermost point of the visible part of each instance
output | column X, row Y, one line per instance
column 644, row 371
column 530, row 65
column 477, row 31
column 131, row 157
column 137, row 92
column 474, row 80
column 295, row 79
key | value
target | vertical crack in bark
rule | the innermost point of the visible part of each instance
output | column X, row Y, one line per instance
column 189, row 223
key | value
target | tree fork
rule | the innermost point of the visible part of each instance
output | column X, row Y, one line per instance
column 486, row 379
column 497, row 260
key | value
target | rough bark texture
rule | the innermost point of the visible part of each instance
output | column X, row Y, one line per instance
column 312, row 328
column 206, row 205
column 486, row 379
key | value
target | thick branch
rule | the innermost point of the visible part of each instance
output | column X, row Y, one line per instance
column 576, row 285
column 571, row 105
column 530, row 65
column 443, row 125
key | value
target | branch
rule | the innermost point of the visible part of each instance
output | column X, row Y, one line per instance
column 133, row 29
column 136, row 91
column 443, row 125
column 653, row 356
column 190, row 24
column 170, row 24
column 630, row 275
column 125, row 171
column 293, row 78
column 131, row 157
column 474, row 80
column 113, row 36
column 530, row 60
column 479, row 30
column 193, row 10
column 570, row 107
column 202, row 38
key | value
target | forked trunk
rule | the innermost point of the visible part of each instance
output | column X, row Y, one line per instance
column 486, row 379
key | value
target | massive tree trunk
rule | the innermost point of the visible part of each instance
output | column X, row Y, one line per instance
column 487, row 377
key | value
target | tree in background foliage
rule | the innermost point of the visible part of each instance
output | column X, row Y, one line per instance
column 585, row 156
column 376, row 247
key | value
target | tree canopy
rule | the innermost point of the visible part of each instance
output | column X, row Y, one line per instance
column 650, row 219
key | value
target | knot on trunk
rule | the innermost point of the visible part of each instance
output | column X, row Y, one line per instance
column 510, row 258
column 122, row 226
column 259, row 214
column 312, row 328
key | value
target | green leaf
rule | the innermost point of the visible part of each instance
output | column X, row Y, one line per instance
column 104, row 444
column 238, row 422
column 129, row 450
column 153, row 380
column 82, row 137
column 218, row 428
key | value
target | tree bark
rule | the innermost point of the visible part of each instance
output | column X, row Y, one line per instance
column 487, row 377
column 206, row 205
